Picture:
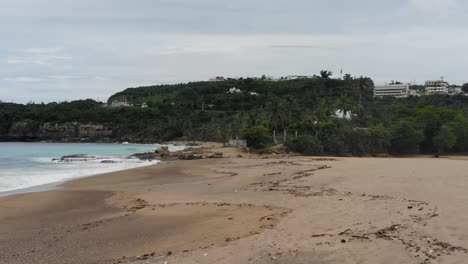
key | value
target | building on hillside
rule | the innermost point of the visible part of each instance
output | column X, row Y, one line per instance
column 120, row 104
column 296, row 77
column 234, row 90
column 392, row 90
column 414, row 92
column 217, row 79
column 436, row 87
column 121, row 101
column 455, row 90
column 341, row 114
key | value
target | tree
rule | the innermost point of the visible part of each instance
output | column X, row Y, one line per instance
column 280, row 110
column 347, row 77
column 445, row 139
column 305, row 144
column 224, row 133
column 406, row 137
column 360, row 142
column 257, row 137
column 326, row 74
column 344, row 104
column 379, row 139
column 465, row 87
column 334, row 135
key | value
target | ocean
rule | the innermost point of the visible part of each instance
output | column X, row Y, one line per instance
column 26, row 165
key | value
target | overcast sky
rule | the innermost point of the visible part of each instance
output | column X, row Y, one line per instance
column 56, row 50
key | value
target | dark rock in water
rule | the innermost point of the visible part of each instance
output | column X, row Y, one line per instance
column 109, row 161
column 75, row 157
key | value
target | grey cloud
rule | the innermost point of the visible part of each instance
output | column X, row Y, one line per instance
column 70, row 49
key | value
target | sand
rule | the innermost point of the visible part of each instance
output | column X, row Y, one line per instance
column 248, row 209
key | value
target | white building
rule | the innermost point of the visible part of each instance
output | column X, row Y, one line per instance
column 234, row 90
column 342, row 115
column 392, row 90
column 436, row 87
column 296, row 77
column 455, row 90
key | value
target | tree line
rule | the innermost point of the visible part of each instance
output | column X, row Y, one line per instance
column 315, row 116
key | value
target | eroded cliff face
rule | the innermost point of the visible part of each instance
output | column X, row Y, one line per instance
column 30, row 130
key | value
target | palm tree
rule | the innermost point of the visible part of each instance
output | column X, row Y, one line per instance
column 344, row 104
column 325, row 74
column 280, row 114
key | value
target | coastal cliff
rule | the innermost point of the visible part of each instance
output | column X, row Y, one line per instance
column 29, row 130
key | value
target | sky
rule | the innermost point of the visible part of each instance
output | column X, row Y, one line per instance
column 62, row 50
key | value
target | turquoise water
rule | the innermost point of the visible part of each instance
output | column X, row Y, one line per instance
column 25, row 165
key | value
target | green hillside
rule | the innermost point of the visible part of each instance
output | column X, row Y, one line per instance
column 255, row 109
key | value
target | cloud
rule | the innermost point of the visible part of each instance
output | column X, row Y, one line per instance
column 37, row 56
column 68, row 49
column 433, row 6
column 23, row 79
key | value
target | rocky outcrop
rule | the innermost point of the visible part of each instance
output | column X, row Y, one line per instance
column 186, row 154
column 72, row 131
column 23, row 130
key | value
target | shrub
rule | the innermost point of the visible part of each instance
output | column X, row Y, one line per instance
column 257, row 137
column 305, row 144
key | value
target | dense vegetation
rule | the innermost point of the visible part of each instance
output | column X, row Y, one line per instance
column 312, row 116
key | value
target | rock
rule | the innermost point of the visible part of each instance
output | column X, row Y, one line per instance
column 278, row 149
column 217, row 155
column 108, row 161
column 190, row 157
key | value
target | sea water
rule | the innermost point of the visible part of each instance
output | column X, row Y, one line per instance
column 25, row 165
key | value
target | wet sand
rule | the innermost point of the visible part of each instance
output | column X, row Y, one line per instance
column 248, row 209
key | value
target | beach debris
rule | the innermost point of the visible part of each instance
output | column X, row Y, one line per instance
column 137, row 204
column 344, row 232
column 384, row 233
column 143, row 257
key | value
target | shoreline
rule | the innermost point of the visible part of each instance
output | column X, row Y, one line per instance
column 246, row 208
column 55, row 185
column 58, row 185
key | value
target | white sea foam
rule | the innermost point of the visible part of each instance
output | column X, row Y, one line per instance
column 56, row 172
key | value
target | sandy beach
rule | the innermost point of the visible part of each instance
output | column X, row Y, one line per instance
column 246, row 208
